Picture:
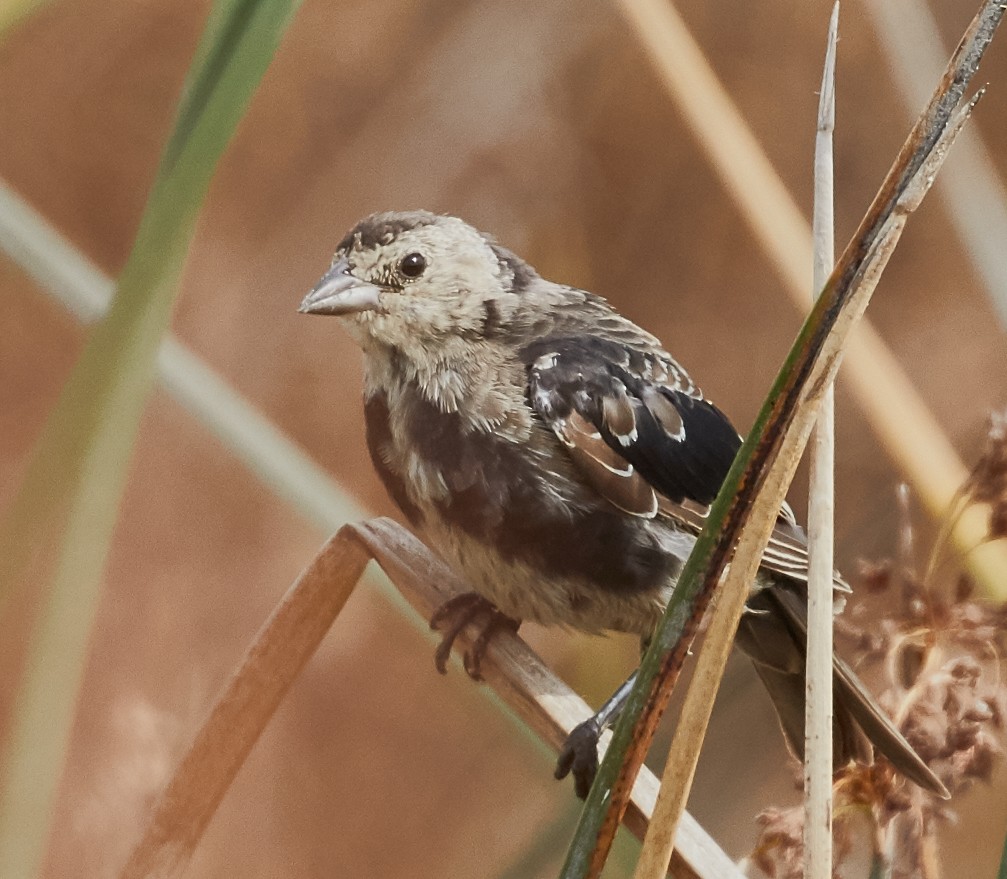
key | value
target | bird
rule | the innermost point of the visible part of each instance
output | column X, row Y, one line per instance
column 559, row 460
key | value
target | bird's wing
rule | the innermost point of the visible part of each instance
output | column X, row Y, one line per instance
column 787, row 550
column 642, row 434
column 633, row 421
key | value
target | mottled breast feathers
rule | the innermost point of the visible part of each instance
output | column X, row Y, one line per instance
column 516, row 497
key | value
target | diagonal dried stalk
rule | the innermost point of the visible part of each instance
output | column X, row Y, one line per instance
column 276, row 656
column 290, row 638
column 680, row 767
column 907, row 429
column 683, row 756
column 780, row 431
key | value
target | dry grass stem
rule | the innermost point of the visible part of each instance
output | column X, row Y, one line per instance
column 897, row 414
column 780, row 431
column 279, row 652
column 683, row 756
column 818, row 704
column 290, row 638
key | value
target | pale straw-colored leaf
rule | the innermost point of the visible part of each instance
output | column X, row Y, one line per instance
column 818, row 700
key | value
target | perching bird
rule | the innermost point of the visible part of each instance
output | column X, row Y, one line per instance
column 557, row 457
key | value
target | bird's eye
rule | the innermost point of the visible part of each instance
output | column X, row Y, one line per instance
column 412, row 265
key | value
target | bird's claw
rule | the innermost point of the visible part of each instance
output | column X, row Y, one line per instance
column 457, row 612
column 580, row 755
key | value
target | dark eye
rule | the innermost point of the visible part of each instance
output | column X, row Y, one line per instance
column 412, row 265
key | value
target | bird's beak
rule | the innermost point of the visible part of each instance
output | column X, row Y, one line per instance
column 339, row 292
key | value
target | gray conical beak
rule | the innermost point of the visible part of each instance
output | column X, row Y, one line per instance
column 339, row 292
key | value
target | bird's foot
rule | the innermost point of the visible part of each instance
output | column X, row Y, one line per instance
column 455, row 614
column 580, row 755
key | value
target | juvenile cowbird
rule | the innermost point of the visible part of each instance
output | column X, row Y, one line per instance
column 557, row 457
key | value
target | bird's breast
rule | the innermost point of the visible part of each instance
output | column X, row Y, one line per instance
column 496, row 505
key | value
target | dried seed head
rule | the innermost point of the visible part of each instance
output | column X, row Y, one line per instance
column 779, row 850
column 952, row 721
column 875, row 576
column 941, row 649
column 925, row 726
column 988, row 480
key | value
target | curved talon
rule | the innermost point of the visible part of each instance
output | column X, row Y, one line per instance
column 465, row 605
column 497, row 621
column 443, row 653
column 580, row 754
column 459, row 611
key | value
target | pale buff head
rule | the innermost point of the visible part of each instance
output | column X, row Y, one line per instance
column 411, row 279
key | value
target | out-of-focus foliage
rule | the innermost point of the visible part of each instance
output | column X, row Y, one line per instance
column 84, row 451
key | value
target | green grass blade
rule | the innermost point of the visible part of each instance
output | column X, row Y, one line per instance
column 12, row 12
column 1002, row 872
column 80, row 463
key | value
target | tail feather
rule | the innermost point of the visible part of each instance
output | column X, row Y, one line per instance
column 773, row 633
column 786, row 690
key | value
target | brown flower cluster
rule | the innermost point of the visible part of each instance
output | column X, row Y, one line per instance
column 872, row 792
column 955, row 722
column 987, row 483
column 860, row 791
column 779, row 851
column 941, row 650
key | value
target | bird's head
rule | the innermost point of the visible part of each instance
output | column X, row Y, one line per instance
column 402, row 279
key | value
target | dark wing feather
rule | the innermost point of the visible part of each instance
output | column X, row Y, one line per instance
column 643, row 436
column 610, row 403
column 610, row 474
column 790, row 610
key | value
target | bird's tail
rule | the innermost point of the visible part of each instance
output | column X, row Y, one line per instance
column 773, row 633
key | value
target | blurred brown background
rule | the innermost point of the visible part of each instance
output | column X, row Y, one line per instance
column 543, row 123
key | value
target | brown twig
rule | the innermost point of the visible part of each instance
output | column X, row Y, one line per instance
column 287, row 641
column 278, row 653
